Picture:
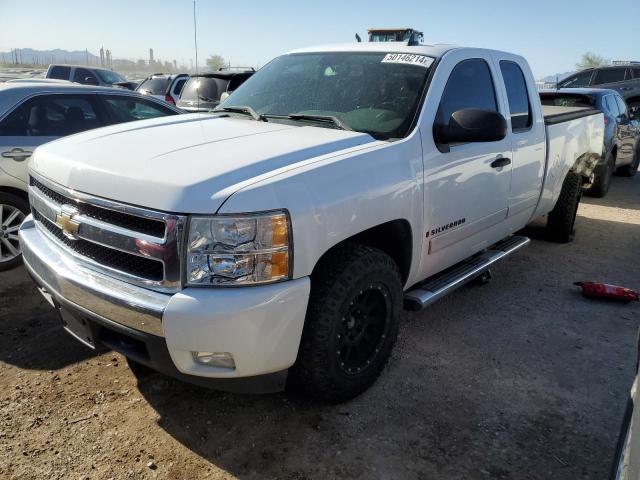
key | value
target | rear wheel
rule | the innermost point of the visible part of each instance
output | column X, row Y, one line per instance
column 562, row 219
column 13, row 210
column 602, row 180
column 351, row 325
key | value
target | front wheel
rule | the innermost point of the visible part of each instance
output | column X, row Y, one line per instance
column 351, row 325
column 13, row 210
column 562, row 219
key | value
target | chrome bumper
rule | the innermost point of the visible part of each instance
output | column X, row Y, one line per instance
column 91, row 293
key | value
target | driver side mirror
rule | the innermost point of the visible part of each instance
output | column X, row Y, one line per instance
column 471, row 125
column 90, row 81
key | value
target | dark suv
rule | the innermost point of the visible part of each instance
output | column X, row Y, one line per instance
column 625, row 79
column 204, row 92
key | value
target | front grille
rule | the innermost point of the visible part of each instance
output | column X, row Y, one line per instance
column 147, row 226
column 139, row 266
column 137, row 245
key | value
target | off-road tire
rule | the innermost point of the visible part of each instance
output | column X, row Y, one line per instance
column 603, row 174
column 337, row 283
column 561, row 220
column 21, row 204
column 631, row 169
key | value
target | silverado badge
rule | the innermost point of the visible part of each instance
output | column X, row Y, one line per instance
column 65, row 220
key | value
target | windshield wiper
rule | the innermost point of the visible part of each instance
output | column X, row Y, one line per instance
column 242, row 109
column 206, row 99
column 321, row 118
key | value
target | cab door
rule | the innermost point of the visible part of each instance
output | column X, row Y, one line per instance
column 466, row 184
column 527, row 137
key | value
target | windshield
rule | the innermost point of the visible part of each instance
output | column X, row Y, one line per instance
column 376, row 93
column 108, row 76
column 154, row 85
column 208, row 88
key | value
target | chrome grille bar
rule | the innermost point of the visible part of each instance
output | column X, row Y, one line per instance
column 104, row 239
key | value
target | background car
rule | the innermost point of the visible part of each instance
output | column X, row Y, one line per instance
column 622, row 131
column 165, row 86
column 204, row 92
column 89, row 76
column 625, row 79
column 35, row 113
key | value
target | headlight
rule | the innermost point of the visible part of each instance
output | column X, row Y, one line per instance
column 238, row 250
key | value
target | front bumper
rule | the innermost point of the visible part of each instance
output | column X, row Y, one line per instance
column 260, row 326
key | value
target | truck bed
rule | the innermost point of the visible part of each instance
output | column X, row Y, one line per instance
column 574, row 142
column 554, row 114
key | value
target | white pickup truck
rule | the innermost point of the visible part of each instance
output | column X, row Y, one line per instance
column 275, row 241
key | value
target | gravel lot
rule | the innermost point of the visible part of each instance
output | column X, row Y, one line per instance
column 521, row 379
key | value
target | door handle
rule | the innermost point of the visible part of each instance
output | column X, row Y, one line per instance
column 500, row 162
column 626, row 89
column 17, row 154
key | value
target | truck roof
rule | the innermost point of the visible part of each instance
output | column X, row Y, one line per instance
column 436, row 50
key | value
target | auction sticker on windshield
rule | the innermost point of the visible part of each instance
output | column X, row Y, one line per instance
column 408, row 58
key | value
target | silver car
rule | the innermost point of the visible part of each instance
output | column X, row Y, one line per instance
column 33, row 113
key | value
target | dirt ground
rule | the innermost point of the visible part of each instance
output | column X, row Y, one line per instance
column 518, row 379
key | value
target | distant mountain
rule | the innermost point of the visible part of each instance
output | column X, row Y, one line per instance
column 29, row 55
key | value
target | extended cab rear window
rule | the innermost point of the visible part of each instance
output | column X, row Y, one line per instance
column 517, row 96
column 375, row 93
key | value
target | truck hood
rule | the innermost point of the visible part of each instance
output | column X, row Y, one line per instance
column 183, row 163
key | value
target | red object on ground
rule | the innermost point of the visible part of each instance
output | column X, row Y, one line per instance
column 611, row 292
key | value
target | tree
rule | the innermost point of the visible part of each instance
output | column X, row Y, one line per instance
column 215, row 62
column 591, row 60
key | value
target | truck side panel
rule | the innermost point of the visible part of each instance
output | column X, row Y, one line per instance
column 574, row 145
column 334, row 198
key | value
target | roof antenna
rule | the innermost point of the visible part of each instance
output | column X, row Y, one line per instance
column 358, row 39
column 195, row 42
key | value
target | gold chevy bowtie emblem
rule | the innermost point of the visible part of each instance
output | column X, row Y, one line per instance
column 67, row 223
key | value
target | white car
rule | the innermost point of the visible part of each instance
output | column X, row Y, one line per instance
column 36, row 112
column 275, row 241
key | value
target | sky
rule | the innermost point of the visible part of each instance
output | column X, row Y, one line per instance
column 552, row 35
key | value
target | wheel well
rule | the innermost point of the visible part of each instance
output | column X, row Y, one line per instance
column 393, row 238
column 15, row 191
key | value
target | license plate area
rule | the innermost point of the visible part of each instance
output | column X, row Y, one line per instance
column 77, row 326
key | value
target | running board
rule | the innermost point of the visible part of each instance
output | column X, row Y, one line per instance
column 441, row 284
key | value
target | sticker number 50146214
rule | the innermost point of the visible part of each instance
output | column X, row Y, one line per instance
column 408, row 58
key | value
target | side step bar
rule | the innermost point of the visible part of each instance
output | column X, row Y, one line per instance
column 445, row 282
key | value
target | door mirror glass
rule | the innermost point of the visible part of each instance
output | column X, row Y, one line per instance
column 472, row 125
